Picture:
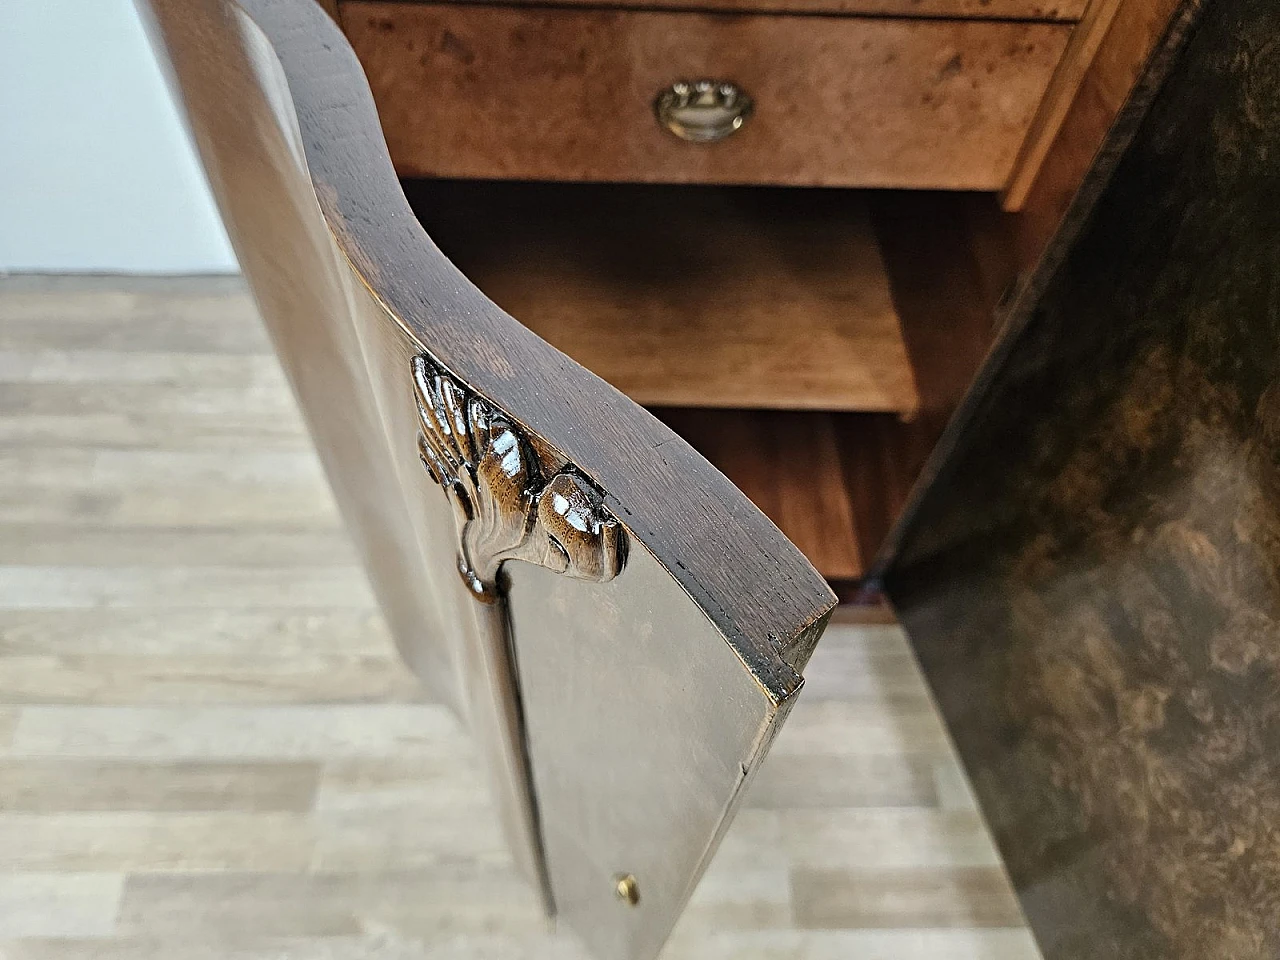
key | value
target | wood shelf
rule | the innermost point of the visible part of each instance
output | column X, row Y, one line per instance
column 809, row 343
column 689, row 296
column 833, row 483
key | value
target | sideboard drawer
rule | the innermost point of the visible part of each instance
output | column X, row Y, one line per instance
column 561, row 94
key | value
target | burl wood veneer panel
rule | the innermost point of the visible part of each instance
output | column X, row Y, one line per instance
column 689, row 296
column 1092, row 581
column 565, row 94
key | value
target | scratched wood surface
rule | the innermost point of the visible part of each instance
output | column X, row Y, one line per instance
column 208, row 748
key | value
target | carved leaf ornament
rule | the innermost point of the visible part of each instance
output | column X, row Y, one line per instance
column 504, row 507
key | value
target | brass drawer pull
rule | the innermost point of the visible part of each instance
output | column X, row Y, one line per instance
column 703, row 111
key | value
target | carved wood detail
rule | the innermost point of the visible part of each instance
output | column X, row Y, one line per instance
column 504, row 505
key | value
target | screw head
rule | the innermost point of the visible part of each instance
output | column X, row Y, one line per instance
column 627, row 889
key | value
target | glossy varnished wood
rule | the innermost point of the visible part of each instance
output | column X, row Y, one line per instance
column 1090, row 578
column 689, row 296
column 567, row 94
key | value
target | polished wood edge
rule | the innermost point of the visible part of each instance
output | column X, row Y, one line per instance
column 1107, row 56
column 1064, row 87
column 1021, row 307
column 749, row 580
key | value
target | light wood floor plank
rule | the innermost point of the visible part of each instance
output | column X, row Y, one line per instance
column 8, row 723
column 80, row 544
column 212, row 322
column 147, row 430
column 887, row 838
column 910, row 897
column 231, row 733
column 53, row 786
column 737, row 897
column 209, row 749
column 151, row 840
column 940, row 944
column 179, row 371
column 146, row 331
column 944, row 944
column 75, row 468
column 226, row 632
column 448, row 776
column 445, row 900
column 191, row 680
column 873, row 660
column 77, row 399
column 866, row 726
column 58, row 904
column 246, row 503
column 407, row 812
column 183, row 588
column 55, row 485
column 790, row 781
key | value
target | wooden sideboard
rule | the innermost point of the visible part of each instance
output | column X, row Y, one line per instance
column 1088, row 568
column 810, row 342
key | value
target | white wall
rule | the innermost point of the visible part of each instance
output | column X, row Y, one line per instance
column 96, row 173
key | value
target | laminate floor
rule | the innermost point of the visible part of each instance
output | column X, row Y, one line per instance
column 208, row 748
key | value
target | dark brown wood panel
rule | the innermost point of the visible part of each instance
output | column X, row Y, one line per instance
column 1091, row 578
column 833, row 483
column 556, row 94
column 951, row 261
column 1064, row 10
column 790, row 465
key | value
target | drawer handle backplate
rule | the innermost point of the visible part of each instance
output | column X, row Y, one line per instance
column 703, row 111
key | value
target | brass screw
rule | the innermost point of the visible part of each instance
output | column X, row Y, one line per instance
column 626, row 888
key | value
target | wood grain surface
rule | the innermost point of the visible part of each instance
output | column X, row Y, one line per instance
column 526, row 93
column 721, row 551
column 688, row 296
column 1107, row 56
column 790, row 465
column 1064, row 10
column 613, row 274
column 252, row 776
column 1064, row 89
column 833, row 483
